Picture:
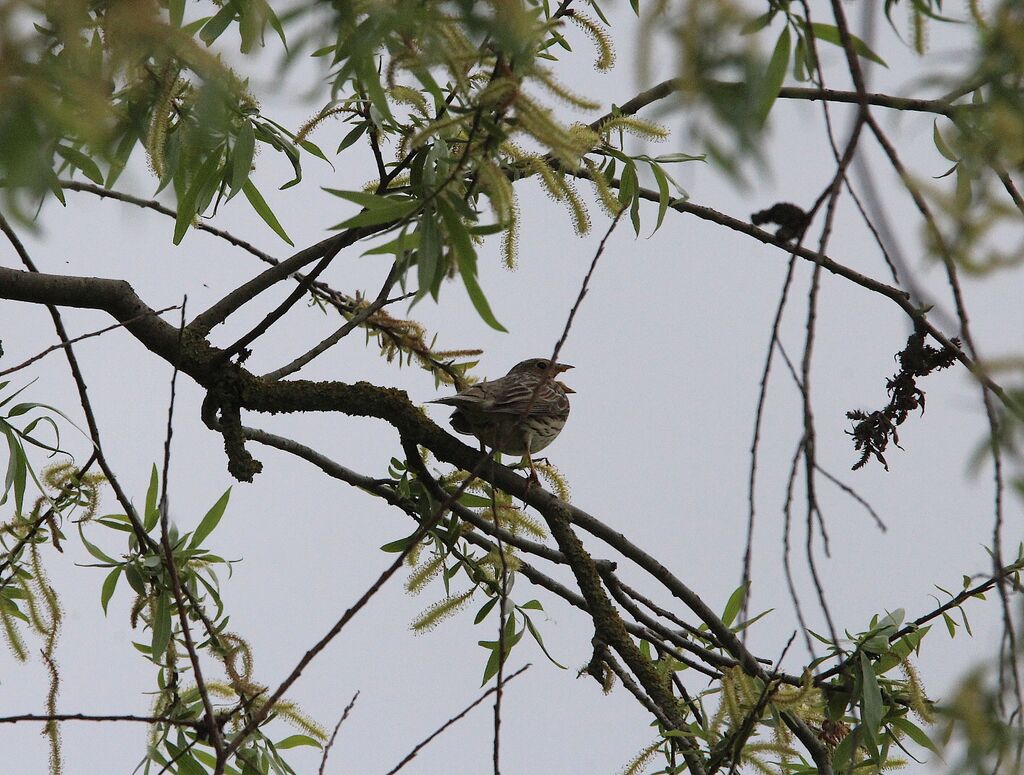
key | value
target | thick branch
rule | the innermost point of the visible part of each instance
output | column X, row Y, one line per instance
column 116, row 297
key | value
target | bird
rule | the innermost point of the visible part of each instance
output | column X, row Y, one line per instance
column 518, row 414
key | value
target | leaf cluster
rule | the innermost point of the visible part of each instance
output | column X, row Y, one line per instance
column 184, row 737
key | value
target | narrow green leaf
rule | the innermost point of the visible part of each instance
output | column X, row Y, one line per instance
column 205, row 178
column 800, row 69
column 310, row 147
column 17, row 468
column 393, row 212
column 211, row 520
column 915, row 733
column 241, row 157
column 734, row 604
column 628, row 183
column 250, row 26
column 184, row 764
column 748, row 622
column 940, row 143
column 400, row 245
column 176, row 11
column 193, row 27
column 758, row 23
column 474, row 501
column 351, row 137
column 540, row 642
column 486, row 230
column 94, row 550
column 830, row 34
column 82, row 162
column 842, row 757
column 211, row 762
column 275, row 23
column 663, row 193
column 109, row 585
column 366, row 199
column 458, row 236
column 152, row 515
column 216, row 26
column 476, row 295
column 491, row 668
column 53, row 182
column 871, row 699
column 675, row 158
column 774, row 75
column 120, row 158
column 10, row 608
column 259, row 204
column 293, row 741
column 484, row 610
column 365, row 67
column 161, row 625
column 135, row 579
column 394, row 547
column 428, row 257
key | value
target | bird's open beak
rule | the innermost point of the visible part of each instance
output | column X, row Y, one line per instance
column 559, row 368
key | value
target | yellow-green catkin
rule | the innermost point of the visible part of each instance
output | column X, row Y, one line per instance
column 439, row 611
column 919, row 30
column 919, row 702
column 599, row 35
column 422, row 574
column 638, row 763
column 563, row 92
column 555, row 478
column 605, row 196
column 156, row 136
column 638, row 127
column 510, row 239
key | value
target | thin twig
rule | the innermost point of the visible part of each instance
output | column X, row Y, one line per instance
column 378, row 488
column 356, row 320
column 178, row 756
column 755, row 444
column 214, row 731
column 260, row 715
column 343, row 303
column 605, row 654
column 853, row 494
column 83, row 395
column 787, row 511
column 12, row 554
column 44, row 718
column 334, row 734
column 750, row 719
column 585, row 286
column 55, row 347
column 454, row 719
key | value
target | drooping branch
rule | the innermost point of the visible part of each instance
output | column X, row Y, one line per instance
column 897, row 296
column 346, row 305
column 941, row 106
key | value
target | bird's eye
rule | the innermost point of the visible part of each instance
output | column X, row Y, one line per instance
column 543, row 365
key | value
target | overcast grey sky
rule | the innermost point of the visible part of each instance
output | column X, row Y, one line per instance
column 668, row 349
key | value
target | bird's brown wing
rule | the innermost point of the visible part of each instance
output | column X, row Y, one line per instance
column 474, row 397
column 511, row 395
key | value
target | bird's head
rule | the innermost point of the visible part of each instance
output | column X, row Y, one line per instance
column 543, row 367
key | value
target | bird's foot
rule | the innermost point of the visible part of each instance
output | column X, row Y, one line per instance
column 532, row 480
